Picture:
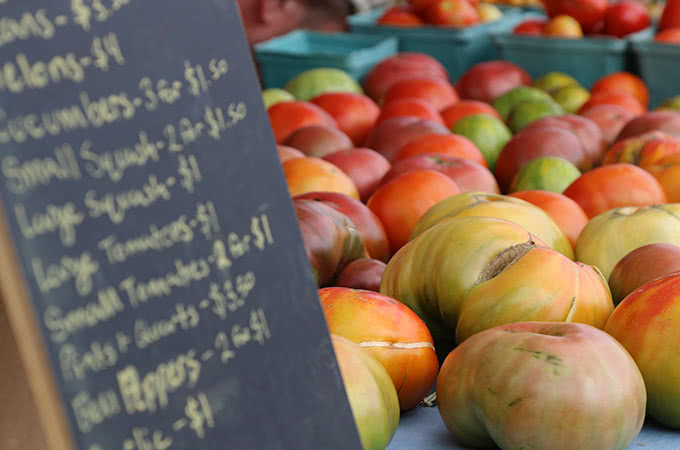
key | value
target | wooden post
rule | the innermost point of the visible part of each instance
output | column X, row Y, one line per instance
column 31, row 415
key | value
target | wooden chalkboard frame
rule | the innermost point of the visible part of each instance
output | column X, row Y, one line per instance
column 21, row 344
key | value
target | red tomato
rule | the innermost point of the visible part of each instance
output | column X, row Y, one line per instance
column 439, row 93
column 626, row 17
column 399, row 16
column 452, row 13
column 586, row 12
column 531, row 27
column 670, row 18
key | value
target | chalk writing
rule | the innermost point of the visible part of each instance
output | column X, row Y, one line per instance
column 113, row 164
column 229, row 297
column 157, row 239
column 184, row 318
column 76, row 365
column 20, row 177
column 63, row 219
column 257, row 330
column 91, row 411
column 79, row 269
column 62, row 324
column 87, row 11
column 150, row 391
column 87, row 112
column 24, row 74
column 200, row 415
column 115, row 205
column 189, row 172
column 182, row 275
column 28, row 25
column 144, row 439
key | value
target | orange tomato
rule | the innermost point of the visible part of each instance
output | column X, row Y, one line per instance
column 316, row 175
column 669, row 36
column 614, row 186
column 619, row 98
column 623, row 82
column 400, row 203
column 667, row 172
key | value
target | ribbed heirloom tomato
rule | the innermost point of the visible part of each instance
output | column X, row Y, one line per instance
column 390, row 332
column 566, row 213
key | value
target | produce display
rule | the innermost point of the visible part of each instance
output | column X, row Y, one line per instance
column 569, row 19
column 442, row 13
column 510, row 243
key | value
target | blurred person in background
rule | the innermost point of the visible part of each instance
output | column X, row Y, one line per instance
column 265, row 19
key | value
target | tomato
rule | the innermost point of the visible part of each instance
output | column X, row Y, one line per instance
column 400, row 203
column 668, row 36
column 623, row 82
column 530, row 27
column 314, row 174
column 670, row 18
column 614, row 186
column 626, row 17
column 452, row 13
column 437, row 92
column 399, row 16
column 588, row 13
column 445, row 144
column 463, row 108
column 619, row 98
column 409, row 107
column 566, row 213
column 355, row 114
column 286, row 117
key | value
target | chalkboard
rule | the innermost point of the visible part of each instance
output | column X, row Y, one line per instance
column 149, row 237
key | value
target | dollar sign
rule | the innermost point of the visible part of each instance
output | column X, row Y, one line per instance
column 190, row 76
column 185, row 173
column 81, row 14
column 257, row 232
column 220, row 308
column 195, row 417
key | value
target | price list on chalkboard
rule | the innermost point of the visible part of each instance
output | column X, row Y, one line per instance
column 154, row 232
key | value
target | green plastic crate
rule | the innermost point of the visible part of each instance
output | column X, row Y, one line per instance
column 659, row 67
column 586, row 59
column 456, row 48
column 282, row 58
